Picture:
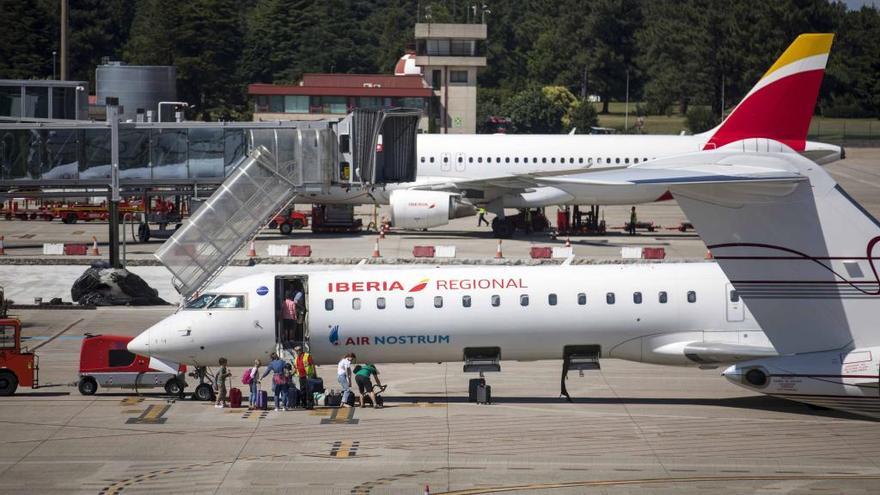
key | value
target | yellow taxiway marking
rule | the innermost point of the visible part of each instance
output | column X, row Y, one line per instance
column 344, row 449
column 131, row 401
column 335, row 419
column 151, row 415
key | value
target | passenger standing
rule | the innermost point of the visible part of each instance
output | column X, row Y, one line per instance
column 288, row 316
column 343, row 376
column 632, row 221
column 287, row 382
column 304, row 368
column 276, row 367
column 365, row 386
column 220, row 382
column 254, row 384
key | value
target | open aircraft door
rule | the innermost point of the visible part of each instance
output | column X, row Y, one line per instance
column 290, row 333
column 735, row 308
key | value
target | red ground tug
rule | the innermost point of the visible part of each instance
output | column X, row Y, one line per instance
column 17, row 365
column 104, row 361
column 289, row 221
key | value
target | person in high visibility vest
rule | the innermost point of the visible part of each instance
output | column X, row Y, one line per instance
column 304, row 368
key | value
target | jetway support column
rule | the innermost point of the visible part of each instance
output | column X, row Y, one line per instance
column 113, row 120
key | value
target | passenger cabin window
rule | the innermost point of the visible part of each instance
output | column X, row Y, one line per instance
column 445, row 159
column 609, row 298
column 637, row 297
column 551, row 299
column 466, row 301
column 470, row 159
column 479, row 159
column 496, row 300
column 119, row 357
column 201, row 302
column 692, row 296
column 524, row 300
column 438, row 301
column 582, row 299
column 431, row 159
column 663, row 297
column 506, row 159
column 409, row 303
column 226, row 301
column 734, row 296
column 423, row 159
column 328, row 304
column 461, row 159
column 380, row 303
column 356, row 303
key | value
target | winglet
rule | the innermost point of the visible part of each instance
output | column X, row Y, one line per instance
column 780, row 106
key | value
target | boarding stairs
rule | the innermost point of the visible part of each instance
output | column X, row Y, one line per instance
column 282, row 164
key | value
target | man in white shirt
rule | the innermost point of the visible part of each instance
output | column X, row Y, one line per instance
column 343, row 376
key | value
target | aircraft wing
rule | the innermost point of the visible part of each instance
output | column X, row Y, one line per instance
column 509, row 182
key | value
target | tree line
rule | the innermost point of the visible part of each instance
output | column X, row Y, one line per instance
column 674, row 54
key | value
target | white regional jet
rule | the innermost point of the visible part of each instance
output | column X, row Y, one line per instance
column 456, row 172
column 664, row 313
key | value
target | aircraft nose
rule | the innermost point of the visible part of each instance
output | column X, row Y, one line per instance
column 140, row 344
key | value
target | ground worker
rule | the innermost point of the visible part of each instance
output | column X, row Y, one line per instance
column 220, row 382
column 362, row 375
column 631, row 228
column 304, row 368
column 482, row 219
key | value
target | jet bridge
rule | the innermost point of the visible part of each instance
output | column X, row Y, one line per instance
column 283, row 163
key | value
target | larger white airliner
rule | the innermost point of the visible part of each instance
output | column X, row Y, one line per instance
column 457, row 172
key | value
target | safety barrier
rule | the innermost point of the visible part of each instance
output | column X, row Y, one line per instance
column 76, row 249
column 278, row 249
column 563, row 252
column 655, row 253
column 631, row 252
column 444, row 251
column 423, row 251
column 541, row 252
column 53, row 249
column 301, row 251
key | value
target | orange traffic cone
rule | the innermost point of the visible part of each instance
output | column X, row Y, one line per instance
column 252, row 250
column 709, row 255
column 2, row 249
column 382, row 232
column 427, row 490
column 498, row 251
column 376, row 249
column 567, row 242
column 95, row 251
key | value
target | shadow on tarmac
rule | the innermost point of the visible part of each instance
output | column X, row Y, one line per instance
column 761, row 403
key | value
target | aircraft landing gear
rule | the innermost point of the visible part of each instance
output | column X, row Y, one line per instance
column 204, row 391
column 503, row 228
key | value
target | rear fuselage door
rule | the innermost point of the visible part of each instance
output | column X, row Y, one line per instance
column 735, row 307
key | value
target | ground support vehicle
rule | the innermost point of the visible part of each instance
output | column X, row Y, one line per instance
column 17, row 366
column 335, row 218
column 85, row 213
column 289, row 221
column 104, row 361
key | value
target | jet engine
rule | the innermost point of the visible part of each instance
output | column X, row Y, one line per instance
column 414, row 209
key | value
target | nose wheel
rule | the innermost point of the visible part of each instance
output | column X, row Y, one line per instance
column 204, row 391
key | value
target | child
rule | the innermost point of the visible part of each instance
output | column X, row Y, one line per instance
column 255, row 383
column 220, row 383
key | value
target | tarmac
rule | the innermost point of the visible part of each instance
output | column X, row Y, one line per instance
column 632, row 428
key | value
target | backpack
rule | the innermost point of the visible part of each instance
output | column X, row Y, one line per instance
column 247, row 378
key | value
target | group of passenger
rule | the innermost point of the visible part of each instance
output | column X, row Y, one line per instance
column 293, row 377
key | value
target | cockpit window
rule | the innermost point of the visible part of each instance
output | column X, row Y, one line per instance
column 201, row 302
column 227, row 301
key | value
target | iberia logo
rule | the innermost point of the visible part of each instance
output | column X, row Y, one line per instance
column 421, row 285
column 334, row 334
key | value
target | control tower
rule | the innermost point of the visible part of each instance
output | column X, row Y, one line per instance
column 450, row 55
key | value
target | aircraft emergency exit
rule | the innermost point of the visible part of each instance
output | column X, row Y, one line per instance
column 504, row 171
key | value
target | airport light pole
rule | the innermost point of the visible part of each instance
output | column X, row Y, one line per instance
column 54, row 65
column 626, row 107
column 113, row 121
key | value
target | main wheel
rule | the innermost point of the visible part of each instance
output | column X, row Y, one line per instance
column 143, row 232
column 285, row 228
column 173, row 386
column 71, row 218
column 8, row 383
column 204, row 392
column 87, row 385
column 297, row 223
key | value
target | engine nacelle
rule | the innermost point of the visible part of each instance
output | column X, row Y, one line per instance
column 413, row 209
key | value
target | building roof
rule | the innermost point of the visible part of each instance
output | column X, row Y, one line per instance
column 349, row 85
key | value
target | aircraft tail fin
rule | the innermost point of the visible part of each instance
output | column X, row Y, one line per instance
column 780, row 106
column 798, row 250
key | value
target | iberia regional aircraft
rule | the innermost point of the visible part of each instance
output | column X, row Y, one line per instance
column 458, row 172
column 666, row 313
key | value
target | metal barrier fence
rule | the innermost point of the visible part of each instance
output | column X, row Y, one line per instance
column 845, row 131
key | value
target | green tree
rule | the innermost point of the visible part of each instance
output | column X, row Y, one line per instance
column 582, row 115
column 27, row 38
column 531, row 112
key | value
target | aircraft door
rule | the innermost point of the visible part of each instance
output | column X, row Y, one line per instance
column 460, row 162
column 445, row 162
column 292, row 326
column 735, row 307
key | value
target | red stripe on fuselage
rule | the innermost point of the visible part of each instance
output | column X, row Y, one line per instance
column 780, row 111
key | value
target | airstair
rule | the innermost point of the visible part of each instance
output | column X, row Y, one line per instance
column 281, row 164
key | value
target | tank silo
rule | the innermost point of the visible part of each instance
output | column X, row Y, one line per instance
column 137, row 86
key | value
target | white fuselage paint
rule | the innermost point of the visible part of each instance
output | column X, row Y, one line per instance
column 649, row 331
column 444, row 159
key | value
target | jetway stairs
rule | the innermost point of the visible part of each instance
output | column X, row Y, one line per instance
column 281, row 164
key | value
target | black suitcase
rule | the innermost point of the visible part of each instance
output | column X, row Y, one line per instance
column 350, row 400
column 472, row 388
column 369, row 402
column 316, row 385
column 292, row 397
column 484, row 394
column 333, row 400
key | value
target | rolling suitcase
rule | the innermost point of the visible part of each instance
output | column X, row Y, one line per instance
column 369, row 402
column 316, row 385
column 262, row 400
column 473, row 384
column 292, row 397
column 333, row 399
column 235, row 397
column 484, row 394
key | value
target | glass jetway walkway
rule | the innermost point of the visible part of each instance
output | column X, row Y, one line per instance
column 283, row 163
